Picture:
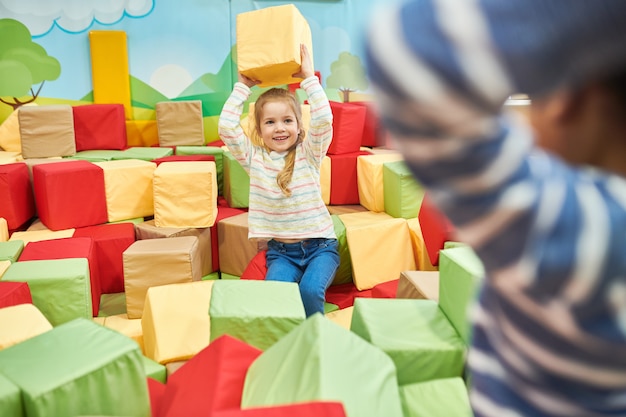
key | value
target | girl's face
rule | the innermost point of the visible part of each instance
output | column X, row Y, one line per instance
column 278, row 126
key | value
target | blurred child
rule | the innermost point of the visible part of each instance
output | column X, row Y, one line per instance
column 543, row 205
column 286, row 205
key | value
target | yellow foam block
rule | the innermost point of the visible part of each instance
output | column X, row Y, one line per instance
column 180, row 123
column 4, row 265
column 233, row 233
column 418, row 285
column 9, row 157
column 128, row 188
column 10, row 134
column 341, row 317
column 4, row 230
column 369, row 171
column 109, row 68
column 380, row 247
column 99, row 320
column 248, row 124
column 185, row 194
column 325, row 179
column 128, row 327
column 38, row 235
column 268, row 44
column 419, row 247
column 175, row 321
column 153, row 262
column 21, row 322
column 142, row 133
column 149, row 230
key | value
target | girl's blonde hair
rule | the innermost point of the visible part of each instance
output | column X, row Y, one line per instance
column 280, row 94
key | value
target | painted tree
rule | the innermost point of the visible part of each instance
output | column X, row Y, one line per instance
column 347, row 74
column 23, row 64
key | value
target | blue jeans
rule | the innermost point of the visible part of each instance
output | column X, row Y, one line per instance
column 311, row 263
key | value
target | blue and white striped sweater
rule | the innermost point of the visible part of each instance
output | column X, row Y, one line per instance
column 550, row 326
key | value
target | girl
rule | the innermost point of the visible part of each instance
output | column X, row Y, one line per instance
column 286, row 206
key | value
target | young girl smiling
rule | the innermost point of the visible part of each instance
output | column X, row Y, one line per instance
column 286, row 206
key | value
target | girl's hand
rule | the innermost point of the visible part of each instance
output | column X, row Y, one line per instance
column 306, row 66
column 247, row 81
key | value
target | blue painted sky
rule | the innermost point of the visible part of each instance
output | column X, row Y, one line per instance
column 172, row 42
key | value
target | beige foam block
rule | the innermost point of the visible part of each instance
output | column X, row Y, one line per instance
column 175, row 321
column 4, row 265
column 342, row 317
column 325, row 179
column 185, row 194
column 4, row 230
column 380, row 247
column 128, row 188
column 419, row 247
column 38, row 235
column 9, row 157
column 232, row 233
column 128, row 327
column 346, row 208
column 418, row 285
column 369, row 171
column 149, row 230
column 268, row 44
column 21, row 322
column 47, row 131
column 153, row 262
column 180, row 123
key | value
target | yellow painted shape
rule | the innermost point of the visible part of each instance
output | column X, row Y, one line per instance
column 109, row 68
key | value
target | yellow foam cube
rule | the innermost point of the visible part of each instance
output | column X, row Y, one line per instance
column 175, row 321
column 128, row 327
column 142, row 133
column 268, row 44
column 185, row 194
column 325, row 179
column 21, row 322
column 369, row 171
column 4, row 230
column 128, row 188
column 380, row 247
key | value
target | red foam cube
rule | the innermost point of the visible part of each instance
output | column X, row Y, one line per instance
column 110, row 241
column 307, row 409
column 348, row 124
column 70, row 195
column 210, row 381
column 14, row 293
column 344, row 189
column 99, row 127
column 17, row 204
column 436, row 229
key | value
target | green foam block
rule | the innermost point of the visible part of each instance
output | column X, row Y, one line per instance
column 415, row 334
column 256, row 312
column 322, row 361
column 445, row 397
column 78, row 368
column 60, row 288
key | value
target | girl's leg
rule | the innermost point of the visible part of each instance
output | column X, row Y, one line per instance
column 323, row 261
column 280, row 263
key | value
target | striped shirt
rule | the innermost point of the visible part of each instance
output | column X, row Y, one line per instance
column 271, row 214
column 549, row 328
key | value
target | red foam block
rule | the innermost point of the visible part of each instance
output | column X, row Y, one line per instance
column 14, row 293
column 210, row 381
column 110, row 241
column 99, row 126
column 17, row 204
column 70, row 195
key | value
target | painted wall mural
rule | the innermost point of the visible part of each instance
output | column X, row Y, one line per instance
column 177, row 49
